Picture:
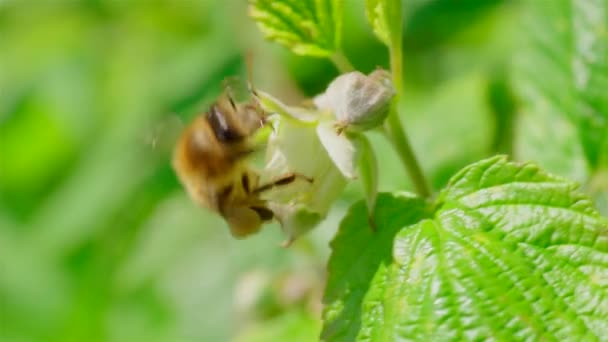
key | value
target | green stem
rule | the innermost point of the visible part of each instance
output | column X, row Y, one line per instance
column 341, row 62
column 395, row 130
column 401, row 144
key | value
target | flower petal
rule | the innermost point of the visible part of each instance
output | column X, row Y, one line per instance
column 339, row 147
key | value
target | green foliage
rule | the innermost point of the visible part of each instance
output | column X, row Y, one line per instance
column 564, row 72
column 99, row 242
column 358, row 254
column 508, row 251
column 307, row 27
column 500, row 232
column 385, row 18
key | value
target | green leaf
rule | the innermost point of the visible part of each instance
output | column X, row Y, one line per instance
column 307, row 27
column 385, row 18
column 564, row 69
column 359, row 253
column 538, row 128
column 509, row 253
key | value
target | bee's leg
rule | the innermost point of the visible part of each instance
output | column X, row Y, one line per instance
column 249, row 63
column 243, row 221
column 227, row 85
column 222, row 198
column 284, row 180
column 246, row 182
column 264, row 213
column 288, row 242
column 240, row 154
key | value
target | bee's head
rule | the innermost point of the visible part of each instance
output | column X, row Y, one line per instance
column 233, row 122
column 224, row 121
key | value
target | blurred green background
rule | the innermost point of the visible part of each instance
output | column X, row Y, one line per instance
column 98, row 242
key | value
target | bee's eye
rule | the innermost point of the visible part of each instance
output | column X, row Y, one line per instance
column 221, row 127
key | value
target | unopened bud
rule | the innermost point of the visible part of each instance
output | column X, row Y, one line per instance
column 359, row 102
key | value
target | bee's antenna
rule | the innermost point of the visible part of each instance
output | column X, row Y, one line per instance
column 229, row 91
column 249, row 63
column 256, row 101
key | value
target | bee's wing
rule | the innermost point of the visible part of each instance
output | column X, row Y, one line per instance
column 159, row 136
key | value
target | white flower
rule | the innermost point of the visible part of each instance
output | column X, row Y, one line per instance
column 320, row 146
column 294, row 147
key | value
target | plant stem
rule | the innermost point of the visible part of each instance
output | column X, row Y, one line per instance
column 401, row 144
column 396, row 133
column 341, row 62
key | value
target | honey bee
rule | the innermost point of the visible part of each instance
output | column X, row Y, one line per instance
column 211, row 161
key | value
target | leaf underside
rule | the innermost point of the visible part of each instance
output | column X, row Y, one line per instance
column 307, row 27
column 508, row 252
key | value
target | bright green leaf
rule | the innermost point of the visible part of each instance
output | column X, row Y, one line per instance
column 510, row 253
column 385, row 18
column 359, row 253
column 307, row 27
column 564, row 68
